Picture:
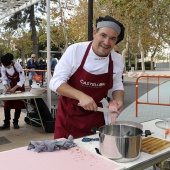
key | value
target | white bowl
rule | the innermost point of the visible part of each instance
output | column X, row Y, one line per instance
column 35, row 86
column 37, row 91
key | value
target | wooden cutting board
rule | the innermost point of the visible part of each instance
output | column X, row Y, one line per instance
column 153, row 145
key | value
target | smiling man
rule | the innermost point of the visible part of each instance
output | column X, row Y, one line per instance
column 84, row 74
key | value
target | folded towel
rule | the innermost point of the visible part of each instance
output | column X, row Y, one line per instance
column 51, row 145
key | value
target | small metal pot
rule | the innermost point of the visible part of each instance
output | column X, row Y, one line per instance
column 164, row 165
column 120, row 142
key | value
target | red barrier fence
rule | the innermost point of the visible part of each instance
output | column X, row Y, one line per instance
column 148, row 78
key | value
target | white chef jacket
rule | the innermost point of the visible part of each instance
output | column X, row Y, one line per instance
column 11, row 71
column 72, row 58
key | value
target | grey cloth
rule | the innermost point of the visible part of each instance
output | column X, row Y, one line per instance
column 51, row 145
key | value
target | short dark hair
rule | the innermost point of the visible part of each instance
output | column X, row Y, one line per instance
column 7, row 59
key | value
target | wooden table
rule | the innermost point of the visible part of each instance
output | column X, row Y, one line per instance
column 24, row 96
column 83, row 156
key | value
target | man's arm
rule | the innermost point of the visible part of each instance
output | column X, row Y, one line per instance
column 118, row 95
column 85, row 101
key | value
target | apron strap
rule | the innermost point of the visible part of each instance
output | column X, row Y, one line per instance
column 86, row 54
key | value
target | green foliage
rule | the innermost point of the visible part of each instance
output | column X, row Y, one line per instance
column 147, row 19
column 101, row 1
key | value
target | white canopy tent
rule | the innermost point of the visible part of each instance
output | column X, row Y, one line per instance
column 9, row 7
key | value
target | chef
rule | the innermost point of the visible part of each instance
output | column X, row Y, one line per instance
column 84, row 74
column 13, row 78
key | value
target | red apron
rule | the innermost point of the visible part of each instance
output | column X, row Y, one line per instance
column 14, row 104
column 74, row 120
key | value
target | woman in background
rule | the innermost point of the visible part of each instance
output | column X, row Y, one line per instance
column 13, row 79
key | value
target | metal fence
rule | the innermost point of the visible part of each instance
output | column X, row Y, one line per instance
column 160, row 99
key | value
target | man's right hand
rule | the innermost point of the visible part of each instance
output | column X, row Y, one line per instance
column 85, row 100
column 88, row 103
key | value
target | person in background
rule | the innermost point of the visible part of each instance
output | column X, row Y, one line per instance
column 1, row 102
column 13, row 79
column 0, row 70
column 42, row 66
column 32, row 64
column 21, row 63
column 53, row 64
column 83, row 75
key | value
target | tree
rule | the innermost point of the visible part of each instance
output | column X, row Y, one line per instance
column 78, row 24
column 6, row 41
column 62, row 10
column 146, row 23
column 138, row 17
column 28, row 16
column 23, row 45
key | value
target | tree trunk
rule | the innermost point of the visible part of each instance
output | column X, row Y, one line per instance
column 64, row 25
column 154, row 52
column 124, row 55
column 136, row 63
column 34, row 33
column 142, row 54
column 143, row 62
column 152, row 68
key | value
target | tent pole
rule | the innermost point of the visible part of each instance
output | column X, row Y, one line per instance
column 48, row 56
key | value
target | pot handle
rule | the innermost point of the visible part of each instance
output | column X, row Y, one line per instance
column 94, row 130
column 147, row 133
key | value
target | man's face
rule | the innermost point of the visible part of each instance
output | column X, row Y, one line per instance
column 104, row 40
column 33, row 57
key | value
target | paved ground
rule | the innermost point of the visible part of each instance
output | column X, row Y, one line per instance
column 146, row 112
column 130, row 89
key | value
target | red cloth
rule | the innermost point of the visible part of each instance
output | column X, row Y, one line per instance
column 14, row 104
column 74, row 120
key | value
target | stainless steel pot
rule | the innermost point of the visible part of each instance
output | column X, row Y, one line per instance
column 131, row 123
column 120, row 142
column 164, row 165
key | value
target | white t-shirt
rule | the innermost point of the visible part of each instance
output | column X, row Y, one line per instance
column 72, row 58
column 11, row 72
